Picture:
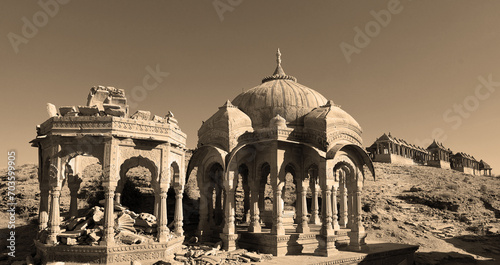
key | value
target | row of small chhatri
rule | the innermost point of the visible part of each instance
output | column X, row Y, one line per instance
column 389, row 149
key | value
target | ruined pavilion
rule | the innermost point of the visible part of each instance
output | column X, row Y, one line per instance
column 104, row 131
column 277, row 128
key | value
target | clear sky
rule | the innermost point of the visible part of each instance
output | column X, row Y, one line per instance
column 433, row 67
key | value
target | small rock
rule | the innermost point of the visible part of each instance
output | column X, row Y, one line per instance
column 415, row 189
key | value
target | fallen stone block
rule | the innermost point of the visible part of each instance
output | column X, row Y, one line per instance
column 68, row 241
column 145, row 220
column 115, row 112
column 52, row 110
column 66, row 110
column 159, row 119
column 83, row 225
column 211, row 260
column 181, row 258
column 98, row 95
column 239, row 251
column 131, row 238
column 252, row 256
column 71, row 234
column 245, row 260
column 141, row 115
column 74, row 222
column 88, row 110
column 94, row 236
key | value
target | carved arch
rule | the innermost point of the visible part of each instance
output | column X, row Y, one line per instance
column 134, row 162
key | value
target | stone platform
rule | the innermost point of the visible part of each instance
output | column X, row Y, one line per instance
column 374, row 254
column 292, row 243
column 121, row 254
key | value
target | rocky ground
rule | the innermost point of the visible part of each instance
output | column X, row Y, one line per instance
column 454, row 217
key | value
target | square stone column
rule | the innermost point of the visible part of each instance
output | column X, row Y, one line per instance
column 254, row 204
column 203, row 223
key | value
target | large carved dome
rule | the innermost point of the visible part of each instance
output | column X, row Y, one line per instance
column 279, row 94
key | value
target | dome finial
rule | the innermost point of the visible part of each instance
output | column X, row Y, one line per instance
column 278, row 57
column 279, row 73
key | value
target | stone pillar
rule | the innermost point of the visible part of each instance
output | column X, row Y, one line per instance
column 43, row 216
column 179, row 215
column 74, row 186
column 278, row 228
column 335, row 222
column 157, row 203
column 326, row 226
column 254, row 208
column 228, row 235
column 246, row 203
column 343, row 202
column 357, row 235
column 315, row 219
column 350, row 211
column 303, row 226
column 54, row 219
column 218, row 208
column 202, row 225
column 327, row 237
column 108, row 238
column 211, row 206
column 161, row 218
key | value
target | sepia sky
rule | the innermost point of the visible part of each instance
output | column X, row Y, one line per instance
column 418, row 69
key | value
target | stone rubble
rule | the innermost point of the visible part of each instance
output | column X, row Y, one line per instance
column 212, row 254
column 130, row 228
